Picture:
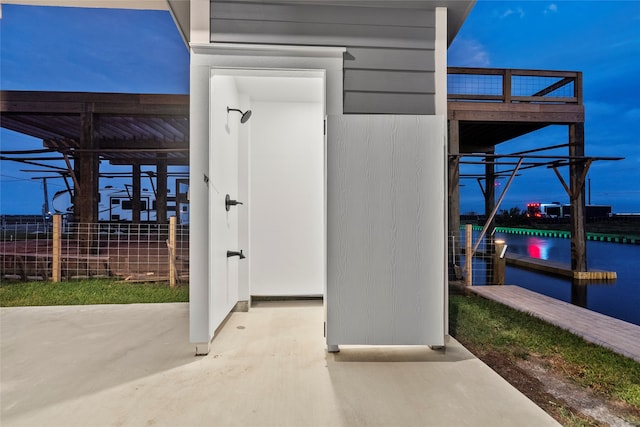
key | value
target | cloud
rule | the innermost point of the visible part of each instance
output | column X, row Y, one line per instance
column 552, row 8
column 516, row 12
column 466, row 52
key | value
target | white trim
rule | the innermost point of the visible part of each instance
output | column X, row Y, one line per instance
column 267, row 50
column 441, row 62
column 200, row 21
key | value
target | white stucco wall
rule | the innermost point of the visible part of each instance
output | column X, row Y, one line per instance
column 286, row 204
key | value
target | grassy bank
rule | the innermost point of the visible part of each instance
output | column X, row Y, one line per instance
column 102, row 291
column 488, row 328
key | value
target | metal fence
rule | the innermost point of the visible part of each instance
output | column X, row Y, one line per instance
column 487, row 263
column 131, row 252
column 514, row 86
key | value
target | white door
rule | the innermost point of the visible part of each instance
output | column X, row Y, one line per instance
column 386, row 230
column 225, row 134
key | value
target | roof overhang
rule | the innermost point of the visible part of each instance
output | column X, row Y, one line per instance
column 180, row 9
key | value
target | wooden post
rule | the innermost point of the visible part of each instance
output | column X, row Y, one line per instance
column 161, row 194
column 490, row 190
column 87, row 169
column 576, row 171
column 468, row 255
column 499, row 262
column 56, row 264
column 453, row 202
column 506, row 86
column 172, row 252
column 135, row 197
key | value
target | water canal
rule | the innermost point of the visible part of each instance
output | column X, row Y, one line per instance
column 619, row 298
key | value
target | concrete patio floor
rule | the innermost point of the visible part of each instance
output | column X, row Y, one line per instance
column 132, row 365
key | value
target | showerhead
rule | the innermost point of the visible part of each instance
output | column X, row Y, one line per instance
column 245, row 115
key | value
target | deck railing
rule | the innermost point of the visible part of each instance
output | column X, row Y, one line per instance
column 514, row 86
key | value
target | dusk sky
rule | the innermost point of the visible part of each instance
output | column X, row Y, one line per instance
column 99, row 50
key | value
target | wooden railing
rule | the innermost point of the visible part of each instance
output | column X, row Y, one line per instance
column 513, row 86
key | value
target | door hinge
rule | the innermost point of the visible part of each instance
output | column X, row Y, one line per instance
column 324, row 127
column 325, row 329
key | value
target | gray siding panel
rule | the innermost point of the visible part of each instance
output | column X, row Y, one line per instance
column 323, row 34
column 389, row 63
column 389, row 81
column 322, row 14
column 388, row 103
column 376, row 58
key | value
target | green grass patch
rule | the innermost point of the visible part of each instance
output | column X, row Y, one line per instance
column 94, row 291
column 487, row 326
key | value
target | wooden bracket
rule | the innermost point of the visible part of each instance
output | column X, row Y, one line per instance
column 454, row 173
column 580, row 182
column 76, row 184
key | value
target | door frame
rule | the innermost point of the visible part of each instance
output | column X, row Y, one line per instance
column 205, row 58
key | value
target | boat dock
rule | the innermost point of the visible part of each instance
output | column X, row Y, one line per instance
column 617, row 335
column 557, row 268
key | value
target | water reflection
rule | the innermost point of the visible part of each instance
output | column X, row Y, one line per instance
column 579, row 293
column 538, row 248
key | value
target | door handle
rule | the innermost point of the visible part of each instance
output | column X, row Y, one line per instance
column 228, row 202
column 236, row 253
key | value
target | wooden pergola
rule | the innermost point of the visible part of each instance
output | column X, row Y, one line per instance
column 488, row 106
column 123, row 129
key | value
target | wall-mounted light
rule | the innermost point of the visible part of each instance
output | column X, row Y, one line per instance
column 501, row 244
column 245, row 115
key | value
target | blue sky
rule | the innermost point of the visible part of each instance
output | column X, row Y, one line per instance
column 77, row 49
column 599, row 38
column 72, row 49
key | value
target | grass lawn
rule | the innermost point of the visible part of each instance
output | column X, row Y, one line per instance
column 98, row 291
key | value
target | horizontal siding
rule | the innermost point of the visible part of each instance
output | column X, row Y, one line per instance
column 377, row 58
column 388, row 103
column 350, row 15
column 389, row 61
column 318, row 34
column 389, row 81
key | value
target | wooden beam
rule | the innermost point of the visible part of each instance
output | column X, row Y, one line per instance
column 135, row 199
column 578, row 220
column 563, row 182
column 557, row 85
column 161, row 195
column 86, row 197
column 74, row 102
column 453, row 199
column 525, row 112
